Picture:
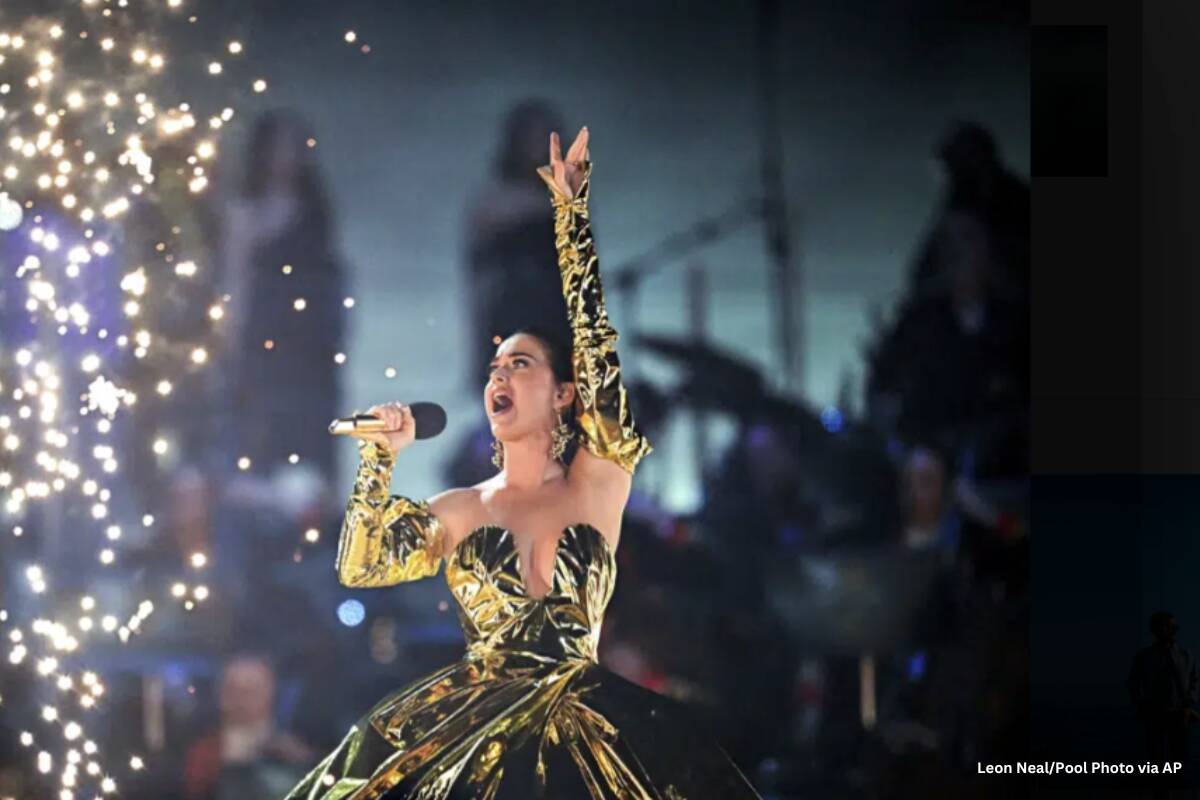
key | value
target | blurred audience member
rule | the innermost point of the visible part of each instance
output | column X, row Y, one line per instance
column 925, row 502
column 246, row 756
column 761, row 490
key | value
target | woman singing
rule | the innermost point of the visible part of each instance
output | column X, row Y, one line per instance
column 529, row 557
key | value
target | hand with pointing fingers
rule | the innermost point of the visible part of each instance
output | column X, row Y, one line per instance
column 565, row 176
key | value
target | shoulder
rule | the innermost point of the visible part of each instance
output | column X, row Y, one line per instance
column 456, row 509
column 455, row 502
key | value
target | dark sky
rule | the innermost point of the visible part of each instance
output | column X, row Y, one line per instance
column 668, row 91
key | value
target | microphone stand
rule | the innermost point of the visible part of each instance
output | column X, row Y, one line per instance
column 786, row 275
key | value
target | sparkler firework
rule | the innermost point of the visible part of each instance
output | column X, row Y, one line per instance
column 95, row 138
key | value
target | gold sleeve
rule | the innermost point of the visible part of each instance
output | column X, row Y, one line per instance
column 385, row 539
column 602, row 405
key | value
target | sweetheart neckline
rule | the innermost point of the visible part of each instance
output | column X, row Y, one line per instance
column 562, row 537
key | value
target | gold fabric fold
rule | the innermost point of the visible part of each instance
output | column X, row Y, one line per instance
column 527, row 712
column 385, row 539
column 602, row 405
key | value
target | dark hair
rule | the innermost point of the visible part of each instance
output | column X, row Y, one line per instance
column 1158, row 619
column 316, row 217
column 557, row 347
column 967, row 142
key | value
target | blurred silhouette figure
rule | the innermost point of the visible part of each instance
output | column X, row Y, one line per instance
column 978, row 183
column 759, row 503
column 953, row 369
column 511, row 264
column 1164, row 687
column 284, row 324
column 285, row 320
column 246, row 756
column 926, row 502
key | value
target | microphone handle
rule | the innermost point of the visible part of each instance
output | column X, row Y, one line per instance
column 359, row 423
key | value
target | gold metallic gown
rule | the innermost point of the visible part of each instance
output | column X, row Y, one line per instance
column 527, row 712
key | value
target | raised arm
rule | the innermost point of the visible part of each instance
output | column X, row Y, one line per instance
column 385, row 539
column 608, row 430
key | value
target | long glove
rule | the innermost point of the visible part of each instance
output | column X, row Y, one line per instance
column 607, row 426
column 385, row 539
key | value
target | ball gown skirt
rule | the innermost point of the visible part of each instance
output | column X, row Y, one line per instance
column 527, row 713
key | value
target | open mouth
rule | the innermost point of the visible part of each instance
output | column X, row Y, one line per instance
column 501, row 404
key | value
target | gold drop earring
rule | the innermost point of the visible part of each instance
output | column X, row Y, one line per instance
column 560, row 434
column 497, row 454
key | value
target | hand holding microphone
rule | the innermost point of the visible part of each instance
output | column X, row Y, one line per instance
column 401, row 428
column 393, row 425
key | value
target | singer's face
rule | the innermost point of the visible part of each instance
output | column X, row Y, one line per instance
column 519, row 396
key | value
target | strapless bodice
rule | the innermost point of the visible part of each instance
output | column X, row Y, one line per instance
column 497, row 612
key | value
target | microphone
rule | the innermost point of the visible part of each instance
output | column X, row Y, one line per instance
column 428, row 418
